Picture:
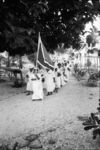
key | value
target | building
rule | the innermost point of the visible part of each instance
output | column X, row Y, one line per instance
column 86, row 57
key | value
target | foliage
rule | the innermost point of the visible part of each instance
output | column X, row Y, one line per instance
column 89, row 39
column 32, row 58
column 60, row 50
column 75, row 68
column 79, row 72
column 95, row 76
column 93, row 122
column 92, row 38
column 6, row 146
column 88, row 64
column 58, row 21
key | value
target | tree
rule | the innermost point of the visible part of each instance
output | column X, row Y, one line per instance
column 68, row 20
column 58, row 21
column 92, row 37
column 18, row 30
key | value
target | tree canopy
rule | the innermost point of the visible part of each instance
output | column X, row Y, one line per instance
column 92, row 37
column 58, row 21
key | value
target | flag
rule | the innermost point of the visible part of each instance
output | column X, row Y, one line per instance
column 43, row 57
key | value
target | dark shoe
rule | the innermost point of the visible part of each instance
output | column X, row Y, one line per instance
column 48, row 94
column 36, row 99
column 51, row 93
column 39, row 99
column 27, row 94
column 33, row 99
column 56, row 90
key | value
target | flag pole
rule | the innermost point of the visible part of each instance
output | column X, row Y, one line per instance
column 37, row 50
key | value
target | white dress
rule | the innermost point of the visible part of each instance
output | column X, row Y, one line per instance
column 37, row 87
column 40, row 86
column 62, row 77
column 58, row 79
column 65, row 74
column 29, row 81
column 49, row 81
column 68, row 73
column 43, row 77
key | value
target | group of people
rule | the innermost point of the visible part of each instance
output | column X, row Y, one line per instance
column 50, row 80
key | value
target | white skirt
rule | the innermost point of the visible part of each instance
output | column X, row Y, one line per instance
column 37, row 89
column 58, row 82
column 29, row 86
column 50, row 86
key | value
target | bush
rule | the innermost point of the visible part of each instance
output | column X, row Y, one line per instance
column 78, row 72
column 76, row 68
column 93, row 79
column 88, row 64
column 93, row 122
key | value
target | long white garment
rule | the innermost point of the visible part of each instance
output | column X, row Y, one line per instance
column 49, row 81
column 37, row 87
column 68, row 73
column 29, row 81
column 62, row 77
column 43, row 77
column 40, row 86
column 58, row 79
column 65, row 74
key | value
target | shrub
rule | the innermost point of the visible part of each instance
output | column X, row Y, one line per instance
column 93, row 122
column 88, row 64
column 93, row 78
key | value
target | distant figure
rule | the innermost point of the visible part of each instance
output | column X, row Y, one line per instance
column 62, row 77
column 29, row 82
column 60, row 70
column 66, row 75
column 57, row 79
column 67, row 70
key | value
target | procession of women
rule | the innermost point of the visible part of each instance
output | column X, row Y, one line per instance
column 45, row 81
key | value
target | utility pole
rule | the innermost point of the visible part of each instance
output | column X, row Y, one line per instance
column 99, row 72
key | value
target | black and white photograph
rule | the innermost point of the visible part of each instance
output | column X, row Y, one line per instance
column 49, row 74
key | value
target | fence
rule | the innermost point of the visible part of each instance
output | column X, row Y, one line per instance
column 90, row 62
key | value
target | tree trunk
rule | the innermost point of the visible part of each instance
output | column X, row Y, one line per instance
column 0, row 68
column 8, row 61
column 20, row 62
column 20, row 67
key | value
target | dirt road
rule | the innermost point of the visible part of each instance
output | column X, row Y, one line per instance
column 20, row 116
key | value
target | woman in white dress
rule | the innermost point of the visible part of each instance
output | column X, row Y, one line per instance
column 57, row 79
column 29, row 82
column 62, row 77
column 60, row 69
column 37, row 86
column 66, row 75
column 49, row 81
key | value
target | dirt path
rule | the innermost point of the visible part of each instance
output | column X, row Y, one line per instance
column 19, row 115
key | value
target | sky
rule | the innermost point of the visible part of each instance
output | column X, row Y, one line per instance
column 96, row 24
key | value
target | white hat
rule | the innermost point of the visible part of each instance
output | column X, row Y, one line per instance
column 31, row 66
column 35, row 68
